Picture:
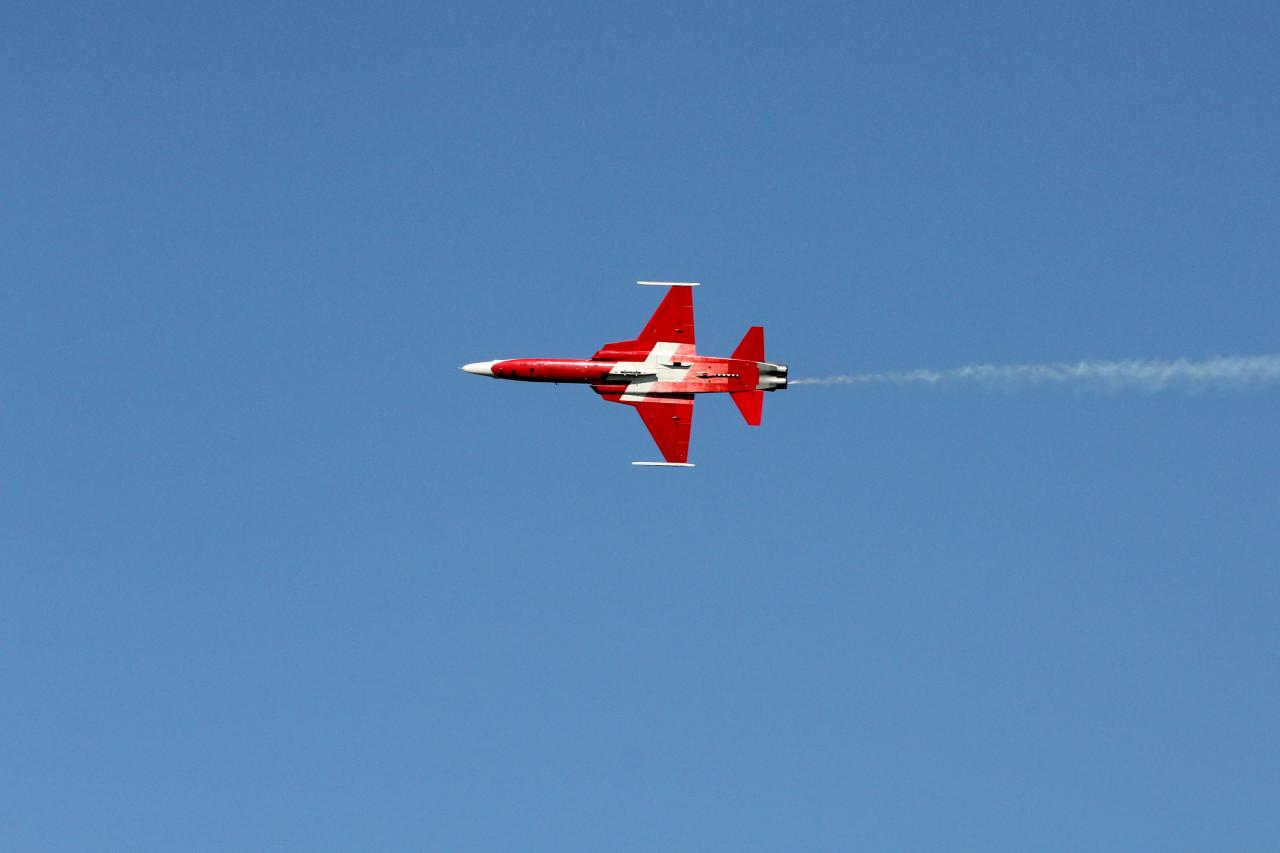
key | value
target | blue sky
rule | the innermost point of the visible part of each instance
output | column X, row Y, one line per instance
column 275, row 574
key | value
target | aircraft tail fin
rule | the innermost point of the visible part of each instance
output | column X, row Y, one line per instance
column 751, row 404
column 752, row 346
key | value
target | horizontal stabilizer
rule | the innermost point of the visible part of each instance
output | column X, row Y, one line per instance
column 751, row 404
column 665, row 464
column 752, row 346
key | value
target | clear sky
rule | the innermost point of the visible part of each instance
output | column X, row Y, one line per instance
column 275, row 574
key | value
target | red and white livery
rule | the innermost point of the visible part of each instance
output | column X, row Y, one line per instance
column 659, row 372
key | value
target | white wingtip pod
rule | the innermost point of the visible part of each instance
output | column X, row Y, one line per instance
column 670, row 283
column 666, row 464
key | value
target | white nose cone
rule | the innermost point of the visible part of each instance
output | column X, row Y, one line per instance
column 480, row 368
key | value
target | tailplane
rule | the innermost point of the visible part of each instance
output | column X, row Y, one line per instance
column 752, row 346
column 751, row 404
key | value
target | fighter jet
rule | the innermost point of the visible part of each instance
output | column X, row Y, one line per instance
column 659, row 372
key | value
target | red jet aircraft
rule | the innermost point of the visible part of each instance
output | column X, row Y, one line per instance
column 659, row 372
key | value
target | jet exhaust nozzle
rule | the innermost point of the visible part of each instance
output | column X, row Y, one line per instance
column 773, row 377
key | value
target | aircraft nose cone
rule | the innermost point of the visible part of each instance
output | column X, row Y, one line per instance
column 480, row 368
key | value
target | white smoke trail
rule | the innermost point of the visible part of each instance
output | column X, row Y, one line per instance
column 1237, row 371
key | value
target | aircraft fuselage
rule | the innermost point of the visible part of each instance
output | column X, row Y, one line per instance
column 679, row 374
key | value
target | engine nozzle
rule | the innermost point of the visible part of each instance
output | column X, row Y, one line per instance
column 773, row 377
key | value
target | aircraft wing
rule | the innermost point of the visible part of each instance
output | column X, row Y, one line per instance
column 671, row 324
column 669, row 419
column 673, row 321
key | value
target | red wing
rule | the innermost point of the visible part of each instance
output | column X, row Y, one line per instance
column 673, row 321
column 669, row 420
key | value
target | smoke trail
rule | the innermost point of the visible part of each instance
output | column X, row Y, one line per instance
column 1237, row 371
